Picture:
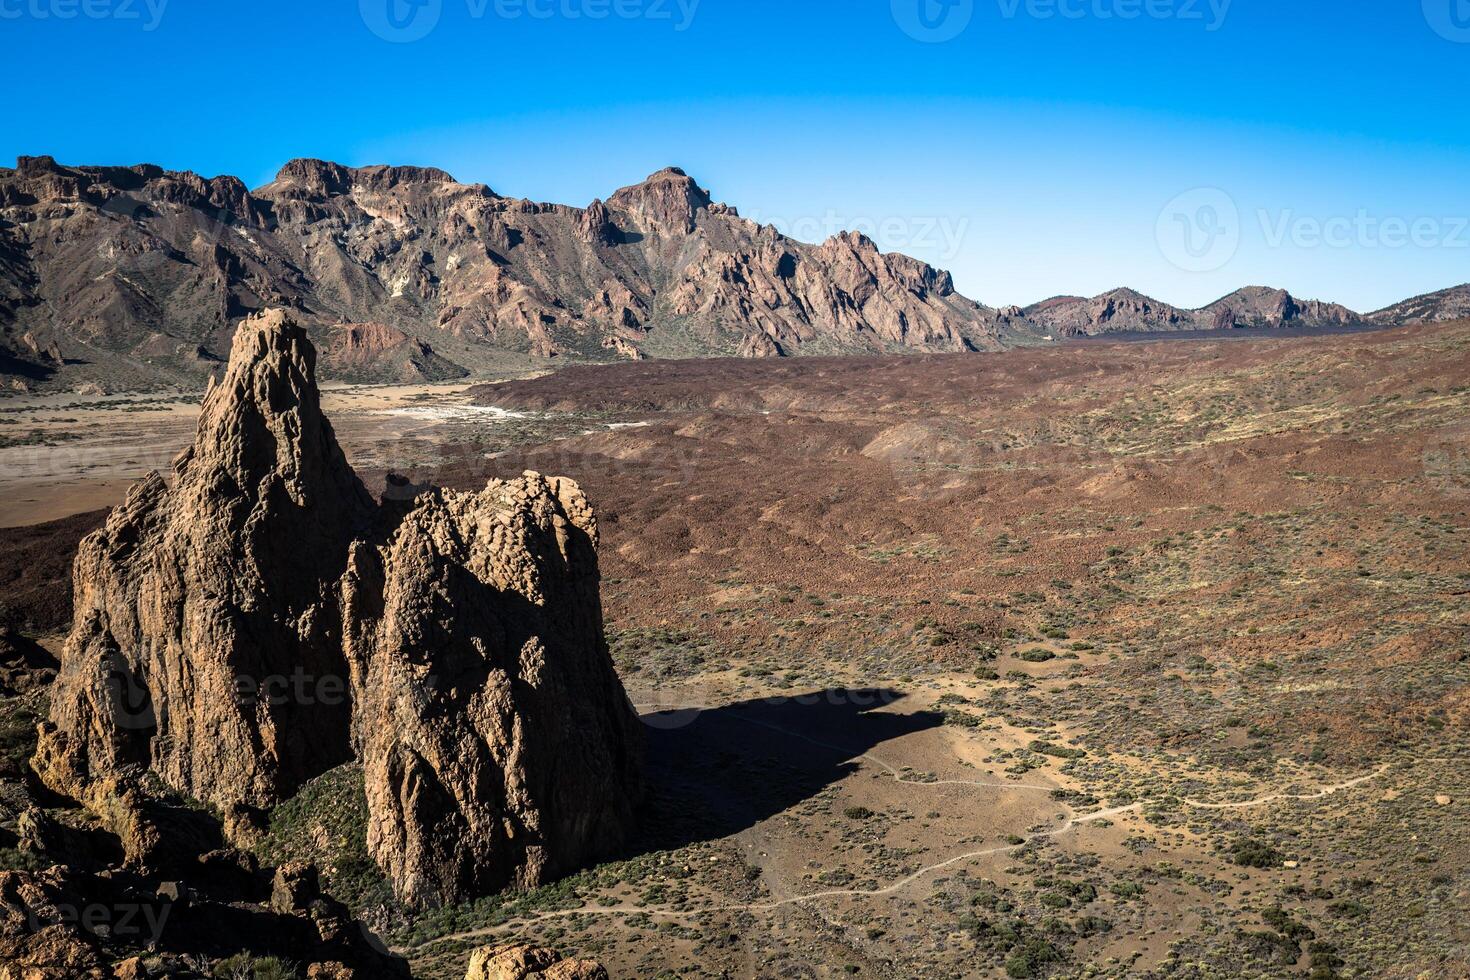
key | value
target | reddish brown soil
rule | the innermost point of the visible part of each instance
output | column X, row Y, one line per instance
column 963, row 489
column 35, row 572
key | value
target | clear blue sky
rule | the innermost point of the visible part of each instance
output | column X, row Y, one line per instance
column 1034, row 147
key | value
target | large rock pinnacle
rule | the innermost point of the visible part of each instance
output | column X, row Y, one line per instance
column 197, row 597
column 497, row 742
column 234, row 628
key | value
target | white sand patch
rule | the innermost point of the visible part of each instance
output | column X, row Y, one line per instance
column 457, row 413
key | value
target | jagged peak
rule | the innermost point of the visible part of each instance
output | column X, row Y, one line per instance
column 854, row 239
column 670, row 199
column 1254, row 293
column 1125, row 292
column 264, row 418
column 1054, row 302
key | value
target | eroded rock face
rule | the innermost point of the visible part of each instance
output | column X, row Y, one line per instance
column 197, row 600
column 528, row 962
column 262, row 619
column 498, row 745
column 64, row 925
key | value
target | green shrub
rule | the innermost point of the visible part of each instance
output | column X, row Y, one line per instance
column 1031, row 958
column 1251, row 853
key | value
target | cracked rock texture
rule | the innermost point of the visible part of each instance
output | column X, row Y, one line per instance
column 198, row 599
column 498, row 745
column 260, row 619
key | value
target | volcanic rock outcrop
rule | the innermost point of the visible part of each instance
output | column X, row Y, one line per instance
column 495, row 735
column 262, row 620
column 198, row 600
column 529, row 963
column 64, row 924
column 1438, row 307
column 1128, row 311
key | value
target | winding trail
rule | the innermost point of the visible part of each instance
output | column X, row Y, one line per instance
column 1069, row 825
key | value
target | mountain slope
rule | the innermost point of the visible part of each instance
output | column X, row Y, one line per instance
column 133, row 276
column 1443, row 306
column 145, row 272
column 1112, row 312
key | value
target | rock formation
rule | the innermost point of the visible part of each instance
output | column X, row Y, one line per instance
column 368, row 352
column 198, row 603
column 24, row 665
column 1261, row 307
column 35, row 941
column 248, row 627
column 62, row 924
column 496, row 738
column 1119, row 310
column 529, row 963
column 128, row 275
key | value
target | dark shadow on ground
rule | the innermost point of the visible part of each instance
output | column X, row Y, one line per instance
column 715, row 773
column 31, row 371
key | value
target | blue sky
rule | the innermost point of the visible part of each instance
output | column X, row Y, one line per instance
column 1034, row 147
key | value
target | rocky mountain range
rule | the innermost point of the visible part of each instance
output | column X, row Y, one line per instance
column 132, row 273
column 131, row 276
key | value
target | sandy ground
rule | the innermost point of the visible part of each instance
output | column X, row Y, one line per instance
column 95, row 447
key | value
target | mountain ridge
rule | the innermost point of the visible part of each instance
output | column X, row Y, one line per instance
column 133, row 276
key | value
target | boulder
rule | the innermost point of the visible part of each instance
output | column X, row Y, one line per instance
column 526, row 962
column 261, row 620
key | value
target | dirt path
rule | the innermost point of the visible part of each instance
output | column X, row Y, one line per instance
column 1071, row 824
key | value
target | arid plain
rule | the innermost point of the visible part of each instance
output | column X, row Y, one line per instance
column 1102, row 660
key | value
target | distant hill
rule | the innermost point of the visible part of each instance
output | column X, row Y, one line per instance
column 1445, row 305
column 1129, row 311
